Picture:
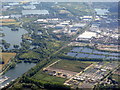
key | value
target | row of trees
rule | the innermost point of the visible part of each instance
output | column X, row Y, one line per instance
column 45, row 84
column 80, row 59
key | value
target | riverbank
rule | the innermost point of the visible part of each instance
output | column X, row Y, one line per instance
column 16, row 72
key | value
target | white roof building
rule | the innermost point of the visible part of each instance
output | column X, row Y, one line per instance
column 13, row 3
column 29, row 7
column 4, row 17
column 87, row 35
column 65, row 23
column 53, row 19
column 79, row 25
column 42, row 20
column 86, row 17
column 115, row 36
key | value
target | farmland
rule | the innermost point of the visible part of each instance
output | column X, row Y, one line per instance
column 30, row 54
column 116, row 77
column 66, row 67
column 6, row 58
column 76, row 8
column 45, row 77
column 8, row 22
column 75, row 66
column 15, row 23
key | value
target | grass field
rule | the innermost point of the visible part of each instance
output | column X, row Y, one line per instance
column 11, row 23
column 25, row 19
column 45, row 77
column 8, row 22
column 30, row 55
column 6, row 58
column 75, row 66
column 77, row 8
column 116, row 77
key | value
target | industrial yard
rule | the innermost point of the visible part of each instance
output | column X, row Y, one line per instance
column 92, row 75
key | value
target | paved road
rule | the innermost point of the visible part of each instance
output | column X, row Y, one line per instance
column 52, row 64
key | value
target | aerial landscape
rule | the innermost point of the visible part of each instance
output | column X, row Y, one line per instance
column 59, row 45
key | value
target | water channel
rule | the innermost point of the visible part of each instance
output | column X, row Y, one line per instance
column 16, row 72
column 14, row 38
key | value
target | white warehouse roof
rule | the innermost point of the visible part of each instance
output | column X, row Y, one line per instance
column 4, row 17
column 87, row 35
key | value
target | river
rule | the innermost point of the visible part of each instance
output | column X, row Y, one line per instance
column 16, row 72
column 14, row 38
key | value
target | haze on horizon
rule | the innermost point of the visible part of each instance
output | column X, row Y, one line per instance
column 62, row 0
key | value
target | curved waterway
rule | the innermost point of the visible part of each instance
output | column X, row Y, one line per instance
column 16, row 72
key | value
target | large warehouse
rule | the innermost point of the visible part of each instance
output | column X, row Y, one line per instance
column 86, row 35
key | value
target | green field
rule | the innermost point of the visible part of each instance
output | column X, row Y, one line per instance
column 25, row 19
column 6, row 57
column 45, row 77
column 76, row 8
column 9, row 22
column 116, row 77
column 30, row 55
column 75, row 66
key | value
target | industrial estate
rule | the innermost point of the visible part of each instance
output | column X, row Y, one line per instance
column 59, row 45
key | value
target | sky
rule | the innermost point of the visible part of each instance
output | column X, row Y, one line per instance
column 62, row 0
